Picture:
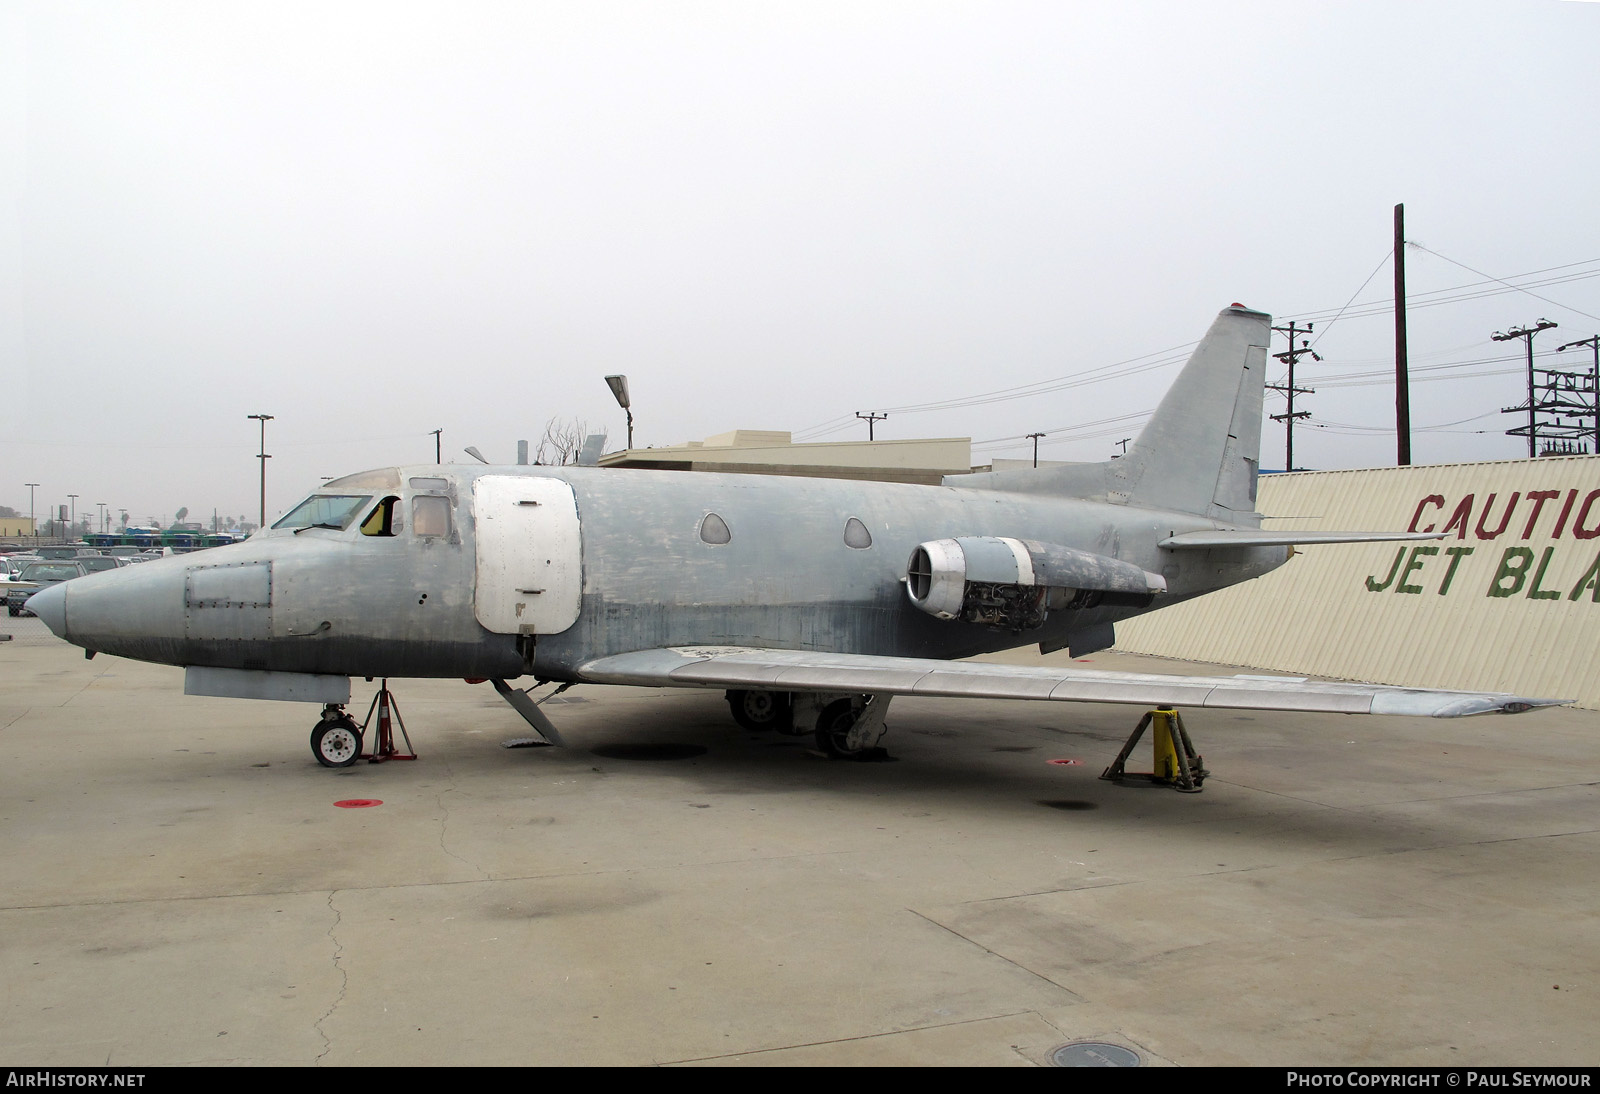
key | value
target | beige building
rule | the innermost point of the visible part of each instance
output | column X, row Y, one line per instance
column 773, row 452
column 15, row 526
column 1508, row 601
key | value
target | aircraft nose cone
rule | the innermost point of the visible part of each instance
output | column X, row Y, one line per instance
column 50, row 605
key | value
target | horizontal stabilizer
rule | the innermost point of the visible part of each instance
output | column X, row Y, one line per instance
column 1254, row 537
column 837, row 673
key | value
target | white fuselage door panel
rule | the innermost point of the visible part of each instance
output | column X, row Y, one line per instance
column 530, row 567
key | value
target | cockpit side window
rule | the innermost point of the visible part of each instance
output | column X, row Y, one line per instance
column 384, row 520
column 430, row 515
column 325, row 511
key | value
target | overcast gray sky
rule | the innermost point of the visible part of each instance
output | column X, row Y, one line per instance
column 373, row 220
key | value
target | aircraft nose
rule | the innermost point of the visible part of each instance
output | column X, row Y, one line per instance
column 133, row 612
column 50, row 605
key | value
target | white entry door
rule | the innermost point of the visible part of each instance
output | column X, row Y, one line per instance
column 530, row 566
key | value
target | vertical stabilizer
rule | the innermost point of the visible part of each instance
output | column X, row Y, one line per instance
column 1198, row 453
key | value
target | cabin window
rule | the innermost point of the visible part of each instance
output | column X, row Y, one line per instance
column 856, row 534
column 433, row 486
column 382, row 521
column 430, row 515
column 713, row 529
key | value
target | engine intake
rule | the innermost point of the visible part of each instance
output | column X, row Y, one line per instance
column 1016, row 583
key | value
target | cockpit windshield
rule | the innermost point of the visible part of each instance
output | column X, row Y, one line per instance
column 325, row 511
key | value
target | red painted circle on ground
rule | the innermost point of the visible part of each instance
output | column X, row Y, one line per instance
column 1066, row 763
column 358, row 803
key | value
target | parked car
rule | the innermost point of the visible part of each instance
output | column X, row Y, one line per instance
column 40, row 575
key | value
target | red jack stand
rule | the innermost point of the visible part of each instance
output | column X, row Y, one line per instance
column 388, row 713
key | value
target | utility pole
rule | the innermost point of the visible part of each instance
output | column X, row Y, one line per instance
column 437, row 455
column 1402, row 376
column 1289, row 357
column 1526, row 334
column 1035, row 438
column 1593, row 341
column 263, row 457
column 871, row 420
column 32, row 524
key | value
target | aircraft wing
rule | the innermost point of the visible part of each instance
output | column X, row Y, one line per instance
column 838, row 673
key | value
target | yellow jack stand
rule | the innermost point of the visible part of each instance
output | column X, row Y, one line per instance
column 1179, row 768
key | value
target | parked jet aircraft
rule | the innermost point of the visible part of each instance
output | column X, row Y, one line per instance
column 810, row 601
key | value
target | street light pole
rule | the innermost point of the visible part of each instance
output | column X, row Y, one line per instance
column 74, row 498
column 619, row 388
column 263, row 457
column 32, row 521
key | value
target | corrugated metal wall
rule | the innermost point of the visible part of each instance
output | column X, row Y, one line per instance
column 1510, row 601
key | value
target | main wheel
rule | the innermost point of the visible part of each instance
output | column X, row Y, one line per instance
column 759, row 710
column 336, row 743
column 834, row 724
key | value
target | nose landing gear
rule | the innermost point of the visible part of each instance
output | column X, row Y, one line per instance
column 336, row 738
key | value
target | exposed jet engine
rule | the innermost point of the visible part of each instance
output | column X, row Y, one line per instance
column 1017, row 583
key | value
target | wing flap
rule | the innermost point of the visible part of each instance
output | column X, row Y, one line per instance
column 838, row 673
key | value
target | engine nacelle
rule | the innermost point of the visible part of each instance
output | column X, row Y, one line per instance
column 1016, row 583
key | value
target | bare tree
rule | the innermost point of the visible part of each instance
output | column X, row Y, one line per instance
column 561, row 443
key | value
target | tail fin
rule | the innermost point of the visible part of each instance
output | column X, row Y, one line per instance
column 1198, row 453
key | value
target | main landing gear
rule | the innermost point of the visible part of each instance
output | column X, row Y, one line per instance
column 336, row 738
column 845, row 727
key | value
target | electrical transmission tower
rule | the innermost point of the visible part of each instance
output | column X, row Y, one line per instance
column 1592, row 411
column 1289, row 357
column 1535, row 429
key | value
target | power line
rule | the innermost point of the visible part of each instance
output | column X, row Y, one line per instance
column 1565, row 273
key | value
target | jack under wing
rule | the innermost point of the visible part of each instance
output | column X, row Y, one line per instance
column 738, row 667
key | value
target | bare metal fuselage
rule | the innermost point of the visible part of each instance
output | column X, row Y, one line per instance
column 342, row 602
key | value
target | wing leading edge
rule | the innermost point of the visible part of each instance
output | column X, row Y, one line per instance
column 837, row 673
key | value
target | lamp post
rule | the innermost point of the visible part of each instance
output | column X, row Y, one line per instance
column 32, row 523
column 103, row 514
column 619, row 388
column 74, row 498
column 263, row 457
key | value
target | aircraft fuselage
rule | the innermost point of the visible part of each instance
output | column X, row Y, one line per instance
column 437, row 588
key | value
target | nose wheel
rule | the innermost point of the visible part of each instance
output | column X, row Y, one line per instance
column 336, row 739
